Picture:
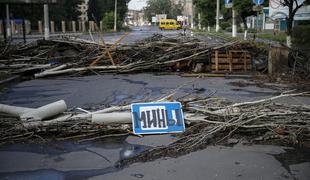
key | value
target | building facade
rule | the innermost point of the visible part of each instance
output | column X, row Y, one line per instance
column 83, row 8
column 135, row 18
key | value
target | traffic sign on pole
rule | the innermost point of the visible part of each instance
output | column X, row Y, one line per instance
column 258, row 2
column 228, row 3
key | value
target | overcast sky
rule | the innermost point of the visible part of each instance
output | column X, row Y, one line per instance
column 137, row 4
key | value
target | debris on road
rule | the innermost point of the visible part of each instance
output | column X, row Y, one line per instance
column 157, row 53
column 209, row 120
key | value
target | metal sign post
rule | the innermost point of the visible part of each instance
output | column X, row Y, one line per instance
column 229, row 4
column 258, row 2
column 258, row 7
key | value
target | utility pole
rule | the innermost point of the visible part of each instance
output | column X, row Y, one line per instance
column 217, row 27
column 115, row 16
column 46, row 23
column 8, row 24
column 234, row 25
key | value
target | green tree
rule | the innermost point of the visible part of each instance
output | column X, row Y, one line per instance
column 108, row 21
column 207, row 10
column 244, row 9
column 103, row 9
column 293, row 6
column 65, row 10
column 162, row 7
column 62, row 10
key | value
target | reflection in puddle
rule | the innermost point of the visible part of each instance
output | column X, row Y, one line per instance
column 59, row 151
column 293, row 156
column 255, row 93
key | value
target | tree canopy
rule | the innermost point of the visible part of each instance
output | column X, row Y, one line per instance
column 62, row 10
column 293, row 6
column 162, row 7
column 98, row 9
column 207, row 9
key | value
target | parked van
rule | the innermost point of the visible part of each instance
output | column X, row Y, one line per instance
column 169, row 24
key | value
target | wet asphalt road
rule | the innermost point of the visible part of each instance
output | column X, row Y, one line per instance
column 96, row 160
column 119, row 89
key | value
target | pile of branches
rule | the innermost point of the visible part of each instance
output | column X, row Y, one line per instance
column 76, row 56
column 209, row 121
column 300, row 62
column 217, row 121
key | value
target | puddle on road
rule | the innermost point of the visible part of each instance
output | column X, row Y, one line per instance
column 135, row 82
column 120, row 146
column 58, row 152
column 293, row 156
column 252, row 93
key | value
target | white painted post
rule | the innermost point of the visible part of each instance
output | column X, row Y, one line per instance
column 13, row 28
column 90, row 26
column 28, row 27
column 115, row 16
column 8, row 26
column 199, row 21
column 40, row 28
column 52, row 27
column 63, row 26
column 264, row 21
column 270, row 62
column 80, row 26
column 234, row 25
column 83, row 26
column 245, row 34
column 73, row 26
column 101, row 26
column 46, row 23
column 217, row 27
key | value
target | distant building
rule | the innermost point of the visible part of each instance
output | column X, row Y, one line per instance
column 274, row 17
column 136, row 18
column 83, row 8
column 188, row 11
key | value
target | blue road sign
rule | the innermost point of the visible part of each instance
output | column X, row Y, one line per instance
column 258, row 2
column 157, row 118
column 228, row 1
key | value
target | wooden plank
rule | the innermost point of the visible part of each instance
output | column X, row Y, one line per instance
column 216, row 60
column 230, row 61
column 234, row 61
column 233, row 55
column 245, row 62
column 234, row 67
